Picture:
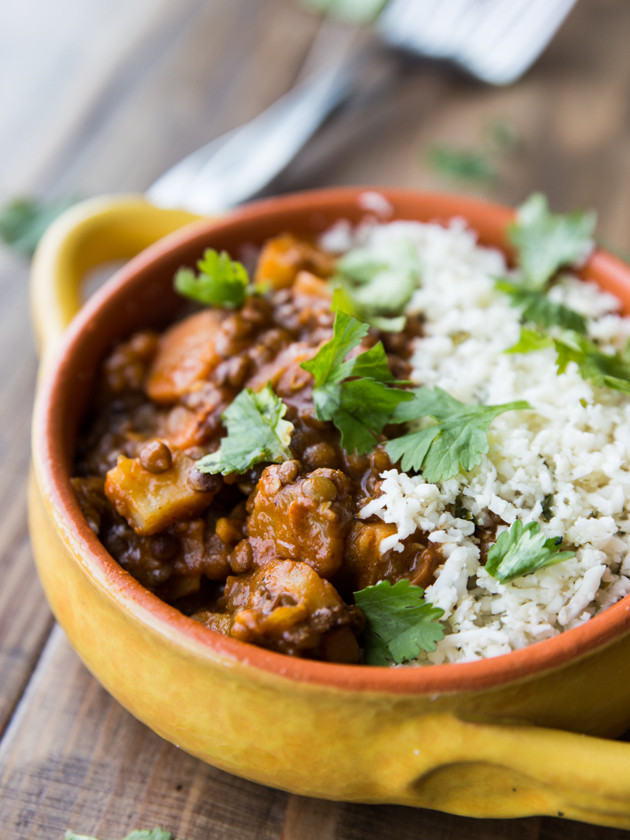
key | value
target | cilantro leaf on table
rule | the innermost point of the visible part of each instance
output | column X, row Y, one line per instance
column 399, row 622
column 145, row 834
column 256, row 433
column 463, row 164
column 540, row 310
column 24, row 220
column 454, row 442
column 353, row 393
column 352, row 11
column 375, row 283
column 221, row 281
column 523, row 550
column 546, row 242
column 604, row 370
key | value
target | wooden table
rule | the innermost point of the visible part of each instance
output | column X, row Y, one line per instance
column 101, row 96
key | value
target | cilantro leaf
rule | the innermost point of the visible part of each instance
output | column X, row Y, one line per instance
column 376, row 283
column 523, row 550
column 399, row 622
column 530, row 341
column 146, row 834
column 221, row 281
column 463, row 164
column 456, row 441
column 604, row 370
column 354, row 394
column 546, row 242
column 538, row 309
column 256, row 433
column 24, row 220
column 352, row 11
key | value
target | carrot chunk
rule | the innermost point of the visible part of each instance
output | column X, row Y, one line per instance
column 186, row 354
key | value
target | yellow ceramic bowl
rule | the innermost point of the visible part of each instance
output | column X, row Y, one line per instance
column 495, row 738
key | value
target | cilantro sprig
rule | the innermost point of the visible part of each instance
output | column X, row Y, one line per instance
column 604, row 370
column 220, row 281
column 522, row 550
column 24, row 220
column 455, row 441
column 538, row 309
column 375, row 283
column 143, row 834
column 399, row 622
column 546, row 242
column 355, row 393
column 256, row 433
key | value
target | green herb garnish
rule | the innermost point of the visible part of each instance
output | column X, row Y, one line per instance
column 546, row 242
column 530, row 341
column 256, row 433
column 221, row 281
column 143, row 834
column 354, row 394
column 399, row 622
column 523, row 550
column 24, row 220
column 538, row 309
column 375, row 283
column 352, row 11
column 455, row 441
column 463, row 164
column 603, row 370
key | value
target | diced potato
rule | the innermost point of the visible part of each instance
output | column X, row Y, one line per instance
column 186, row 354
column 284, row 256
column 150, row 502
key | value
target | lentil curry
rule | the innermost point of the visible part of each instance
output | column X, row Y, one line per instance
column 270, row 556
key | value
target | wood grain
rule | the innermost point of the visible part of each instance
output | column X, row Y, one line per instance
column 102, row 96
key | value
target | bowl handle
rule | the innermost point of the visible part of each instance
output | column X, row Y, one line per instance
column 89, row 234
column 505, row 770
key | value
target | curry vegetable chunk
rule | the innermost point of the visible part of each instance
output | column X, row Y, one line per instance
column 150, row 501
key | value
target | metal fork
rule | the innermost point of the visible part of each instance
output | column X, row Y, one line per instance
column 495, row 41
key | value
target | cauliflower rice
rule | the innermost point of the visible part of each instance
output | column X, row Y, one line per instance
column 564, row 463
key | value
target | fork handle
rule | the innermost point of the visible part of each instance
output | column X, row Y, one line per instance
column 235, row 167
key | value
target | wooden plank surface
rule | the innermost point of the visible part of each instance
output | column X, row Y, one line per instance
column 102, row 96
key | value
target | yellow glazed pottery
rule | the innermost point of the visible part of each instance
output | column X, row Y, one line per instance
column 497, row 738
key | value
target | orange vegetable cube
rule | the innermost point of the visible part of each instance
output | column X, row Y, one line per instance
column 150, row 502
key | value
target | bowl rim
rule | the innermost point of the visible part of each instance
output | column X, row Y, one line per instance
column 153, row 613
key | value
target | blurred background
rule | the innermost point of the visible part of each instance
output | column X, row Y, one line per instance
column 102, row 96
